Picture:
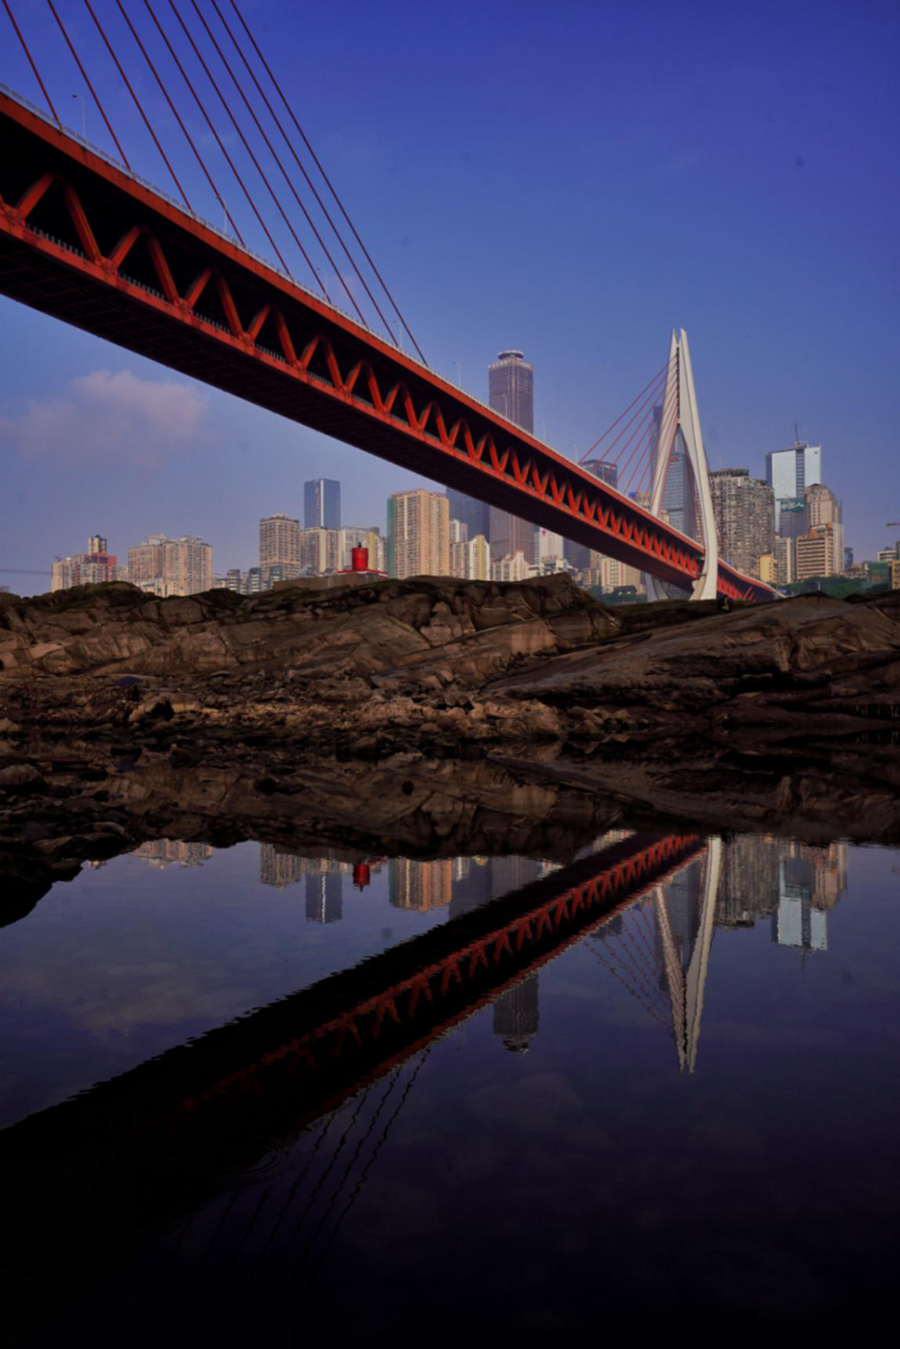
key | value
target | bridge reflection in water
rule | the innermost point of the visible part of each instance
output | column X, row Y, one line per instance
column 146, row 1146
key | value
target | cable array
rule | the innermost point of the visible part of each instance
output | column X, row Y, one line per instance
column 230, row 113
column 643, row 434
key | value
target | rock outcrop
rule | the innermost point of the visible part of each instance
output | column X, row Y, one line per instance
column 436, row 664
column 464, row 631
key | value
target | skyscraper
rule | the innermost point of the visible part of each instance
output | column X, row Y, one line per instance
column 322, row 504
column 418, row 534
column 511, row 393
column 789, row 473
column 164, row 566
column 475, row 515
column 825, row 509
column 745, row 518
column 516, row 1015
column 324, row 898
column 279, row 542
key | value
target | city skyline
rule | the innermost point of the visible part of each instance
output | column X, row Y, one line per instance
column 798, row 192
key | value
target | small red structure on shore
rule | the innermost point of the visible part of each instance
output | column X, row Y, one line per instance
column 359, row 563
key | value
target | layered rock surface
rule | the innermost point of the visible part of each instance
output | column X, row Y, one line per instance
column 439, row 663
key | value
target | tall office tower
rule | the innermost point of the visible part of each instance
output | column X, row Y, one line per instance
column 825, row 509
column 511, row 393
column 322, row 504
column 97, row 545
column 324, row 897
column 475, row 515
column 279, row 542
column 516, row 1015
column 789, row 473
column 744, row 508
column 578, row 553
column 798, row 921
column 793, row 517
column 511, row 388
column 164, row 566
column 418, row 534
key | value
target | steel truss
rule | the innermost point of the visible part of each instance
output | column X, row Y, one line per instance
column 85, row 241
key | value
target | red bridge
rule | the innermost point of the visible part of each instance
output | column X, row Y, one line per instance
column 86, row 241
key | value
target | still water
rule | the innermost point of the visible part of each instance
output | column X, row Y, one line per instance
column 460, row 1098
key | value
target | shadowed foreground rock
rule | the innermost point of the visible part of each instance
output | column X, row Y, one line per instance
column 436, row 664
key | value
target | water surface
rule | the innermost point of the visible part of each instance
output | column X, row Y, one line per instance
column 661, row 1076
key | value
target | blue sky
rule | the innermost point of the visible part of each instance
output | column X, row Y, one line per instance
column 573, row 180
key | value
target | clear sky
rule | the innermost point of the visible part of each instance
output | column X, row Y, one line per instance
column 573, row 180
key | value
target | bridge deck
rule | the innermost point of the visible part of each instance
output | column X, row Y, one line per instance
column 85, row 241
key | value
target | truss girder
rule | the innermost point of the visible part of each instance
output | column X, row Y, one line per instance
column 212, row 310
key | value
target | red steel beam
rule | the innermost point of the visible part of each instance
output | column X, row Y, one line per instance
column 347, row 382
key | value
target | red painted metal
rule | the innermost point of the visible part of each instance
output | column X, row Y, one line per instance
column 71, row 223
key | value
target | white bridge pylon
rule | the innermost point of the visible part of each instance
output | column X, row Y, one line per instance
column 681, row 418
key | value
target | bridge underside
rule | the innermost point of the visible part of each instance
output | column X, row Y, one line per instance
column 83, row 241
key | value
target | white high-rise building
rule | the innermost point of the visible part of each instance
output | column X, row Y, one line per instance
column 790, row 472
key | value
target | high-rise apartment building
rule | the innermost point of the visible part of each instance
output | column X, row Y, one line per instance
column 789, row 472
column 825, row 509
column 90, row 568
column 470, row 559
column 785, row 560
column 511, row 393
column 512, row 567
column 816, row 555
column 322, row 504
column 320, row 551
column 279, row 542
column 164, row 566
column 420, row 885
column 744, row 509
column 418, row 534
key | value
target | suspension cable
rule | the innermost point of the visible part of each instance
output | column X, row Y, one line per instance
column 300, row 164
column 206, row 70
column 26, row 50
column 87, row 80
column 661, row 371
column 636, row 416
column 137, row 102
column 187, row 135
column 331, row 188
column 209, row 122
column 261, row 129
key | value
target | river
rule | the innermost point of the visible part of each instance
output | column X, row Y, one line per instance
column 648, row 1085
